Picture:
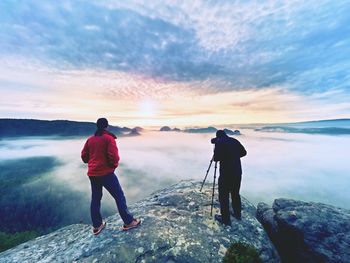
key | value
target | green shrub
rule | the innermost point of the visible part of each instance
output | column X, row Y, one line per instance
column 241, row 253
column 8, row 240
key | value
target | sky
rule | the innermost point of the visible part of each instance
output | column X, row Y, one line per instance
column 177, row 63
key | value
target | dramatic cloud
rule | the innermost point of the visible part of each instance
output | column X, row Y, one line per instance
column 132, row 100
column 132, row 49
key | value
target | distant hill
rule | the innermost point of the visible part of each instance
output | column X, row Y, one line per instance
column 230, row 132
column 326, row 130
column 201, row 130
column 29, row 127
column 167, row 128
column 336, row 123
column 134, row 132
column 339, row 123
column 211, row 130
column 329, row 127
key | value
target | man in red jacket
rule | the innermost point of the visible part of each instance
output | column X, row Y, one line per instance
column 100, row 152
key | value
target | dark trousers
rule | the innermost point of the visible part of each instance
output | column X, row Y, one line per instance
column 229, row 186
column 111, row 183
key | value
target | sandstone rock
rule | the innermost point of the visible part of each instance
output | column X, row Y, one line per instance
column 165, row 128
column 176, row 227
column 306, row 231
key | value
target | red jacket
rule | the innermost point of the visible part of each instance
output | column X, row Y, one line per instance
column 101, row 154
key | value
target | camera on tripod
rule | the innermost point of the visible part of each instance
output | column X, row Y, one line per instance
column 219, row 135
column 213, row 141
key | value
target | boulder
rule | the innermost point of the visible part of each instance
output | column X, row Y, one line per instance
column 307, row 231
column 134, row 132
column 176, row 227
column 230, row 132
column 165, row 128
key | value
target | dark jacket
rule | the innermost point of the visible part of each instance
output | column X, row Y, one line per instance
column 229, row 151
column 101, row 154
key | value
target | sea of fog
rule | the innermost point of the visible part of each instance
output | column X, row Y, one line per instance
column 300, row 166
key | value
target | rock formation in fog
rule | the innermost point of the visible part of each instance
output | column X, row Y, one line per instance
column 167, row 128
column 306, row 231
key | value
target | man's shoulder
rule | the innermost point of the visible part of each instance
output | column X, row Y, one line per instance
column 233, row 140
column 90, row 138
column 109, row 136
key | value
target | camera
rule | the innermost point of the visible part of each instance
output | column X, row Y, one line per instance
column 213, row 140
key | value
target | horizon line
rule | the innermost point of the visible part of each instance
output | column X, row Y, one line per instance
column 196, row 126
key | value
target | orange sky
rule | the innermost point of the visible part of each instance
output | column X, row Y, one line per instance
column 135, row 100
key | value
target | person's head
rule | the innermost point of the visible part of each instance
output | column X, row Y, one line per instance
column 102, row 124
column 221, row 134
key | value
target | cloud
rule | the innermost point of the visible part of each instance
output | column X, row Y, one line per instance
column 32, row 90
column 242, row 44
column 64, row 57
column 89, row 36
column 277, row 165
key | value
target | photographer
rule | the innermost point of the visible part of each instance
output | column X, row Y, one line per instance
column 228, row 152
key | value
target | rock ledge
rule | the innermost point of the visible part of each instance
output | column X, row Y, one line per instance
column 176, row 227
column 306, row 231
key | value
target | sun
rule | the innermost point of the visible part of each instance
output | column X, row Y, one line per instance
column 147, row 108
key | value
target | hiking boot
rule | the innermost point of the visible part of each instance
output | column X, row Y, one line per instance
column 237, row 216
column 219, row 219
column 97, row 230
column 134, row 223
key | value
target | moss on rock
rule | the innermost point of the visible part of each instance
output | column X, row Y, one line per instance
column 241, row 253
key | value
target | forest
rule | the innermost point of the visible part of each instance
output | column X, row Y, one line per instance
column 33, row 203
column 28, row 127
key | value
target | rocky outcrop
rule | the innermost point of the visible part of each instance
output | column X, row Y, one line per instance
column 230, row 132
column 134, row 132
column 176, row 227
column 306, row 231
column 201, row 130
column 212, row 130
column 165, row 128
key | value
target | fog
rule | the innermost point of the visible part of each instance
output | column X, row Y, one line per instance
column 301, row 166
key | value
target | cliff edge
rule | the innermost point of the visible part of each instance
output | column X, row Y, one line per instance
column 176, row 227
column 307, row 231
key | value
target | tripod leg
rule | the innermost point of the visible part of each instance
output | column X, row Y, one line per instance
column 212, row 196
column 205, row 178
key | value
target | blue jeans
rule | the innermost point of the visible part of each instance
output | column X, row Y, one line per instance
column 111, row 183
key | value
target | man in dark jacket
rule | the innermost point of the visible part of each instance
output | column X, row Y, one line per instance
column 228, row 152
column 101, row 154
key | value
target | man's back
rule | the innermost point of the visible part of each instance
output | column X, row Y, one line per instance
column 229, row 151
column 101, row 154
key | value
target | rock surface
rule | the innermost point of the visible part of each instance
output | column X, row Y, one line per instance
column 306, row 231
column 176, row 227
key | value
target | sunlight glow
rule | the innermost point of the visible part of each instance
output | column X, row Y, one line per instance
column 147, row 108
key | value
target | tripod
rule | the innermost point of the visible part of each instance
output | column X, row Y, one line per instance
column 205, row 178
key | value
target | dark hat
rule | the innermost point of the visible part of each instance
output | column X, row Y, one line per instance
column 220, row 134
column 102, row 123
